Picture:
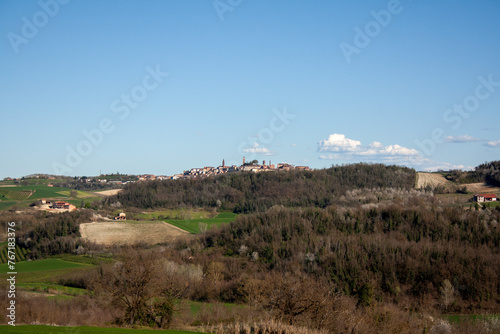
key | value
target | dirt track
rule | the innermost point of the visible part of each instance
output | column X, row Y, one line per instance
column 130, row 232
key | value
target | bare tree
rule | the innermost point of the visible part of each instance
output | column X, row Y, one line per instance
column 215, row 272
column 136, row 287
column 203, row 227
column 447, row 293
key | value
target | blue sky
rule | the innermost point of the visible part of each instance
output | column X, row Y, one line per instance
column 164, row 86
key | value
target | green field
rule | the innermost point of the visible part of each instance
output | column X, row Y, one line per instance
column 81, row 330
column 193, row 225
column 79, row 193
column 23, row 196
column 85, row 259
column 6, row 205
column 38, row 192
column 41, row 265
column 51, row 288
column 44, row 271
column 175, row 214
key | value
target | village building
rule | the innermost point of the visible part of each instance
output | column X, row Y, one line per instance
column 285, row 166
column 208, row 171
column 480, row 198
column 60, row 205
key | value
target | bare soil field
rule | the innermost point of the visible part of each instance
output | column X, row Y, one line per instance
column 432, row 179
column 130, row 232
column 108, row 192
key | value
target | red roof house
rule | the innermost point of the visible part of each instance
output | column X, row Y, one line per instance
column 485, row 198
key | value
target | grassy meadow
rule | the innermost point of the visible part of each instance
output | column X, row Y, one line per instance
column 196, row 226
column 44, row 271
column 176, row 214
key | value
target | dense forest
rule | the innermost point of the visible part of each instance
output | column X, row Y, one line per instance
column 246, row 192
column 392, row 252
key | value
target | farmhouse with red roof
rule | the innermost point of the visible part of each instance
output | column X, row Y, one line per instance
column 485, row 198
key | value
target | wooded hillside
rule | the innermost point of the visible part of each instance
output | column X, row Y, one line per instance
column 245, row 192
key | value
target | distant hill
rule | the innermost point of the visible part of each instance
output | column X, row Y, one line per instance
column 488, row 173
column 245, row 192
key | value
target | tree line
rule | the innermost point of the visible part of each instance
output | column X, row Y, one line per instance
column 52, row 234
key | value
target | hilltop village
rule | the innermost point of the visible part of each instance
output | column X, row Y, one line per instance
column 110, row 181
column 252, row 166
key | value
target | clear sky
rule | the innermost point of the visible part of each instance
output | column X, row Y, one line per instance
column 163, row 86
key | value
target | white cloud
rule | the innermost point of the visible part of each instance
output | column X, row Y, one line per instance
column 376, row 152
column 338, row 143
column 257, row 149
column 398, row 150
column 346, row 148
column 494, row 143
column 460, row 139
